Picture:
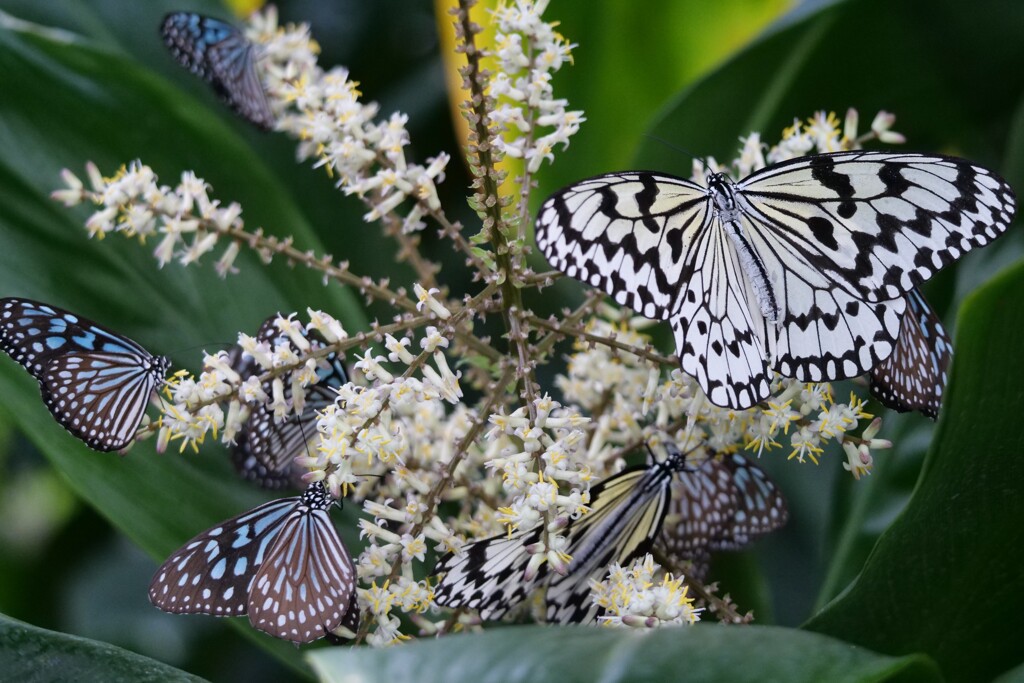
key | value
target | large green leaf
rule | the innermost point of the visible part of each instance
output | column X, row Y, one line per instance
column 946, row 577
column 868, row 54
column 535, row 654
column 34, row 655
column 123, row 112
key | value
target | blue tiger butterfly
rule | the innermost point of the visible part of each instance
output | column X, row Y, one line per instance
column 282, row 564
column 914, row 376
column 265, row 449
column 97, row 383
column 219, row 53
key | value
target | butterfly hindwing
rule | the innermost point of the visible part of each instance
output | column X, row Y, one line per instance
column 304, row 587
column 914, row 376
column 220, row 54
column 718, row 341
column 801, row 268
column 95, row 382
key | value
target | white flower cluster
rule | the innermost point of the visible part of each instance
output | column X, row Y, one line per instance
column 195, row 406
column 620, row 389
column 536, row 458
column 322, row 110
column 406, row 595
column 365, row 424
column 528, row 52
column 184, row 218
column 634, row 596
column 634, row 404
column 821, row 133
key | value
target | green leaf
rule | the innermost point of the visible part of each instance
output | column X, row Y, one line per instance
column 818, row 58
column 1015, row 675
column 35, row 655
column 534, row 654
column 945, row 578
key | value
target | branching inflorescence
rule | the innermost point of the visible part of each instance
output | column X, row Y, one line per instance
column 400, row 436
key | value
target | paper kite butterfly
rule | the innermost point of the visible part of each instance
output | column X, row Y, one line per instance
column 97, row 383
column 282, row 564
column 802, row 267
column 219, row 53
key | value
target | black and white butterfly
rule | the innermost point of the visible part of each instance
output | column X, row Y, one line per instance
column 626, row 513
column 802, row 267
column 914, row 376
column 220, row 54
column 97, row 383
column 724, row 504
column 265, row 449
column 282, row 563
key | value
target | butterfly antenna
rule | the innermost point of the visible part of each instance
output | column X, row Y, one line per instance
column 672, row 146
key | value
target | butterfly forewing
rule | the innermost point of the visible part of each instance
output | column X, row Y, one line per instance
column 212, row 573
column 220, row 54
column 627, row 233
column 760, row 506
column 304, row 588
column 834, row 242
column 878, row 223
column 95, row 382
column 626, row 514
column 488, row 575
column 703, row 503
column 914, row 376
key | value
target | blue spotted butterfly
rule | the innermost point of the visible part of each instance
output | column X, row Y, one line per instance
column 724, row 504
column 265, row 449
column 626, row 514
column 96, row 383
column 282, row 564
column 914, row 376
column 220, row 54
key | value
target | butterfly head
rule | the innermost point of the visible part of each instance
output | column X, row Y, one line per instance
column 159, row 367
column 677, row 460
column 723, row 190
column 317, row 497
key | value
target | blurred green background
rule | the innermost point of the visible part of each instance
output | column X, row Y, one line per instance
column 81, row 531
